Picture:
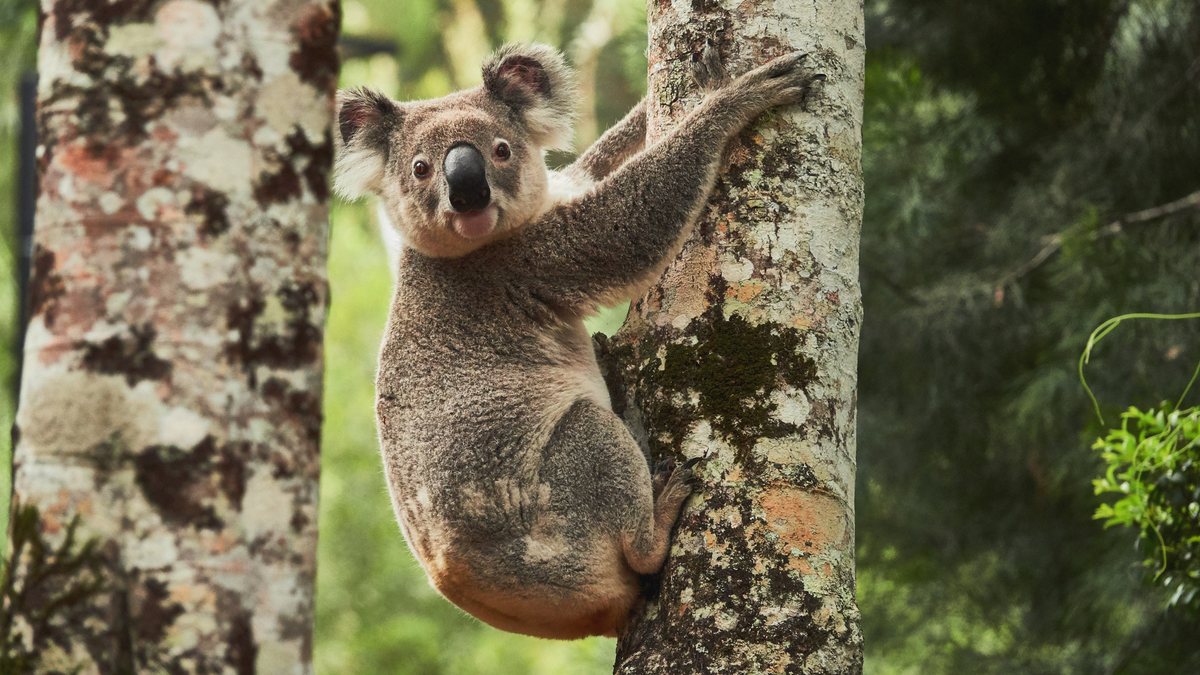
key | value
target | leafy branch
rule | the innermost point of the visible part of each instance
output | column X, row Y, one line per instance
column 1155, row 467
column 1153, row 462
column 38, row 583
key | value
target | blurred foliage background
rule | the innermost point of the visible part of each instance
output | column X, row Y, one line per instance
column 990, row 131
column 18, row 52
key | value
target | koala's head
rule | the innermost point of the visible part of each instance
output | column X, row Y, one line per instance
column 459, row 171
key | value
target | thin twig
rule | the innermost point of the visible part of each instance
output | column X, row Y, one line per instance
column 1055, row 242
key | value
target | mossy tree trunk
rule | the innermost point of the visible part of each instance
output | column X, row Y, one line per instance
column 170, row 407
column 745, row 354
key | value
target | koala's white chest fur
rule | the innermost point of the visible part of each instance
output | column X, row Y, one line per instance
column 563, row 188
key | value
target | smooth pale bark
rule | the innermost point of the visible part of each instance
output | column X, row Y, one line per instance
column 171, row 397
column 745, row 354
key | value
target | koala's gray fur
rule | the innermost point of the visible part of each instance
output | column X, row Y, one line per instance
column 526, row 500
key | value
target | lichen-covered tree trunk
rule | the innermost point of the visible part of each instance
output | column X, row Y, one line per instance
column 170, row 405
column 745, row 354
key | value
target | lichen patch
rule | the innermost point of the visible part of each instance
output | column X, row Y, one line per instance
column 103, row 407
column 288, row 103
column 188, row 32
column 217, row 160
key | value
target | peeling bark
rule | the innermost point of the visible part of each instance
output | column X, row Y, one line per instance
column 745, row 354
column 170, row 405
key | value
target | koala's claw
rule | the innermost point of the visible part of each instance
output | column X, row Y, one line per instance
column 661, row 474
column 666, row 466
column 784, row 80
column 687, row 474
column 707, row 69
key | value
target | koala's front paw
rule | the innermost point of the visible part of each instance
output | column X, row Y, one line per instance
column 781, row 81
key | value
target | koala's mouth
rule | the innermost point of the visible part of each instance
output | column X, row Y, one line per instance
column 474, row 224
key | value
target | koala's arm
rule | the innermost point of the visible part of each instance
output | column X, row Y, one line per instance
column 610, row 243
column 625, row 139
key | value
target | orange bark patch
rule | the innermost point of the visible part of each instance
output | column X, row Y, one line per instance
column 223, row 543
column 50, row 524
column 804, row 520
column 52, row 516
column 181, row 594
column 746, row 292
column 165, row 135
column 806, row 321
column 92, row 162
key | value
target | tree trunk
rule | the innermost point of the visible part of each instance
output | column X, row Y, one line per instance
column 745, row 354
column 170, row 407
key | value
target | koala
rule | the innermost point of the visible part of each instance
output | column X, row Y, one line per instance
column 524, row 497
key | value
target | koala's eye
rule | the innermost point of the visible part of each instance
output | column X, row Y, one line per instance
column 503, row 151
column 420, row 169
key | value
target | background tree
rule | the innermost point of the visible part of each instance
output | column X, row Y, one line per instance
column 18, row 52
column 745, row 355
column 170, row 402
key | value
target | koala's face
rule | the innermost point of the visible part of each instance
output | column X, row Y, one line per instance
column 460, row 171
column 463, row 173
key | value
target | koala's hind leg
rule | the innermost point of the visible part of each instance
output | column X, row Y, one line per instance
column 595, row 458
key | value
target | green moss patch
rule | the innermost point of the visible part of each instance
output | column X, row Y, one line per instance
column 725, row 374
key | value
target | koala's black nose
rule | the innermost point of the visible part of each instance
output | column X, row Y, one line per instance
column 467, row 179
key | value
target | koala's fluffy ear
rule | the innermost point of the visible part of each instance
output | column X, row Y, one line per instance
column 536, row 82
column 366, row 122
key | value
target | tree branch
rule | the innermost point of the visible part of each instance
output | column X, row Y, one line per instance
column 1055, row 242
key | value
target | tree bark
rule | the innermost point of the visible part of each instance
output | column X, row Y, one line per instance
column 745, row 354
column 170, row 407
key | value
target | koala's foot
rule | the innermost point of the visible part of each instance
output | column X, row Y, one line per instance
column 647, row 549
column 680, row 485
column 707, row 69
